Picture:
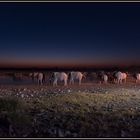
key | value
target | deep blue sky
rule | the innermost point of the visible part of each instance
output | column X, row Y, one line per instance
column 74, row 34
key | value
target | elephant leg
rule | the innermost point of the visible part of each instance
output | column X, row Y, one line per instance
column 80, row 81
column 65, row 82
column 55, row 83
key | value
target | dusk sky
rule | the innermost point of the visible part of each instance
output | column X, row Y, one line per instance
column 69, row 34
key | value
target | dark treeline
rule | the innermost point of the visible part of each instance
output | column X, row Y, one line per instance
column 56, row 69
column 82, row 69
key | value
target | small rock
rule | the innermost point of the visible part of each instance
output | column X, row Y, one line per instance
column 69, row 90
column 24, row 89
column 22, row 95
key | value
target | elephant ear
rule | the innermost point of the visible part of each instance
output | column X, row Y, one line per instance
column 84, row 74
column 68, row 73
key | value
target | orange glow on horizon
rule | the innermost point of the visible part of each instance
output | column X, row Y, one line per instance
column 43, row 63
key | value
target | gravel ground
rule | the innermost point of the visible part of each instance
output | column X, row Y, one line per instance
column 88, row 110
column 34, row 90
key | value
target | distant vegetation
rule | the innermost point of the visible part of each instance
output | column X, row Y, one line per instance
column 90, row 69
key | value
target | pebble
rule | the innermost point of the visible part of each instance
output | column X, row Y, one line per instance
column 24, row 89
column 69, row 90
column 22, row 95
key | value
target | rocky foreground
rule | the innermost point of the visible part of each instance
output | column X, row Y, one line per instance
column 89, row 110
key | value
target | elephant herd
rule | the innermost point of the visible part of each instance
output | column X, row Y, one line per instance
column 59, row 76
column 103, row 77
